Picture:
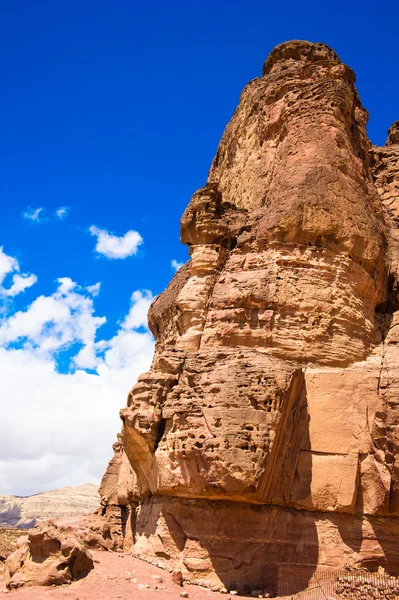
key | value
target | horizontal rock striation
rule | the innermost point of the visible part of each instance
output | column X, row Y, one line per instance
column 267, row 430
column 25, row 512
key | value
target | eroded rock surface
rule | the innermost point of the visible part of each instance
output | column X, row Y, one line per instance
column 47, row 556
column 267, row 429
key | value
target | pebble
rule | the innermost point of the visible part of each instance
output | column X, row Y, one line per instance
column 233, row 592
column 183, row 594
column 143, row 586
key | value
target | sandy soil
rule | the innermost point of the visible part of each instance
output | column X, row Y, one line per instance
column 117, row 576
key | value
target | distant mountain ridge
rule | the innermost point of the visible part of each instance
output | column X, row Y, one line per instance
column 24, row 512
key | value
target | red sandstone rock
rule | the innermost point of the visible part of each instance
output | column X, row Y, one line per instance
column 47, row 556
column 6, row 548
column 266, row 432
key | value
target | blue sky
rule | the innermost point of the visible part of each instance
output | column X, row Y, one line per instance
column 113, row 111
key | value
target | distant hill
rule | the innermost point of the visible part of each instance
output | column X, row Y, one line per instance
column 24, row 512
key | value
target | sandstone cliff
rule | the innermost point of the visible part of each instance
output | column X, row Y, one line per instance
column 266, row 433
column 65, row 502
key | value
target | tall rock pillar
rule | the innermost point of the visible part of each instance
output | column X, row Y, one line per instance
column 260, row 436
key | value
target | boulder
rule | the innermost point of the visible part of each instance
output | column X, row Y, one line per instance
column 47, row 556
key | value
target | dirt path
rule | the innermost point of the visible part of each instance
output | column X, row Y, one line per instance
column 117, row 576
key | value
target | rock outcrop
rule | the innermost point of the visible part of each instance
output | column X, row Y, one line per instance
column 47, row 556
column 25, row 512
column 6, row 547
column 266, row 433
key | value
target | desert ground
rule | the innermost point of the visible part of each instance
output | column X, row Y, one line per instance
column 116, row 576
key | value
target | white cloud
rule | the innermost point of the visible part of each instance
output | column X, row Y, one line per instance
column 38, row 215
column 20, row 283
column 94, row 290
column 8, row 265
column 176, row 265
column 139, row 304
column 53, row 322
column 58, row 428
column 113, row 246
column 33, row 214
column 62, row 212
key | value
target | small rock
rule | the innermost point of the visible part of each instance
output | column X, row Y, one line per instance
column 143, row 586
column 157, row 578
column 223, row 591
column 184, row 595
column 177, row 577
column 233, row 592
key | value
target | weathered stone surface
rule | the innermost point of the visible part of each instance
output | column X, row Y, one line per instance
column 47, row 556
column 6, row 548
column 97, row 531
column 267, row 430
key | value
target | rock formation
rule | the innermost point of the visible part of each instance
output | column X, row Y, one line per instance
column 266, row 433
column 6, row 547
column 46, row 556
column 24, row 512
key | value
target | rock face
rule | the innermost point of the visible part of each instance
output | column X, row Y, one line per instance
column 69, row 501
column 266, row 432
column 46, row 556
column 6, row 548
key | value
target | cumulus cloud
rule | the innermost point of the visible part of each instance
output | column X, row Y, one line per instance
column 62, row 212
column 112, row 246
column 58, row 428
column 20, row 282
column 36, row 215
column 53, row 322
column 8, row 264
column 139, row 304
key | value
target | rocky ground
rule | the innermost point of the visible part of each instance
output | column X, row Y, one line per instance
column 117, row 575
